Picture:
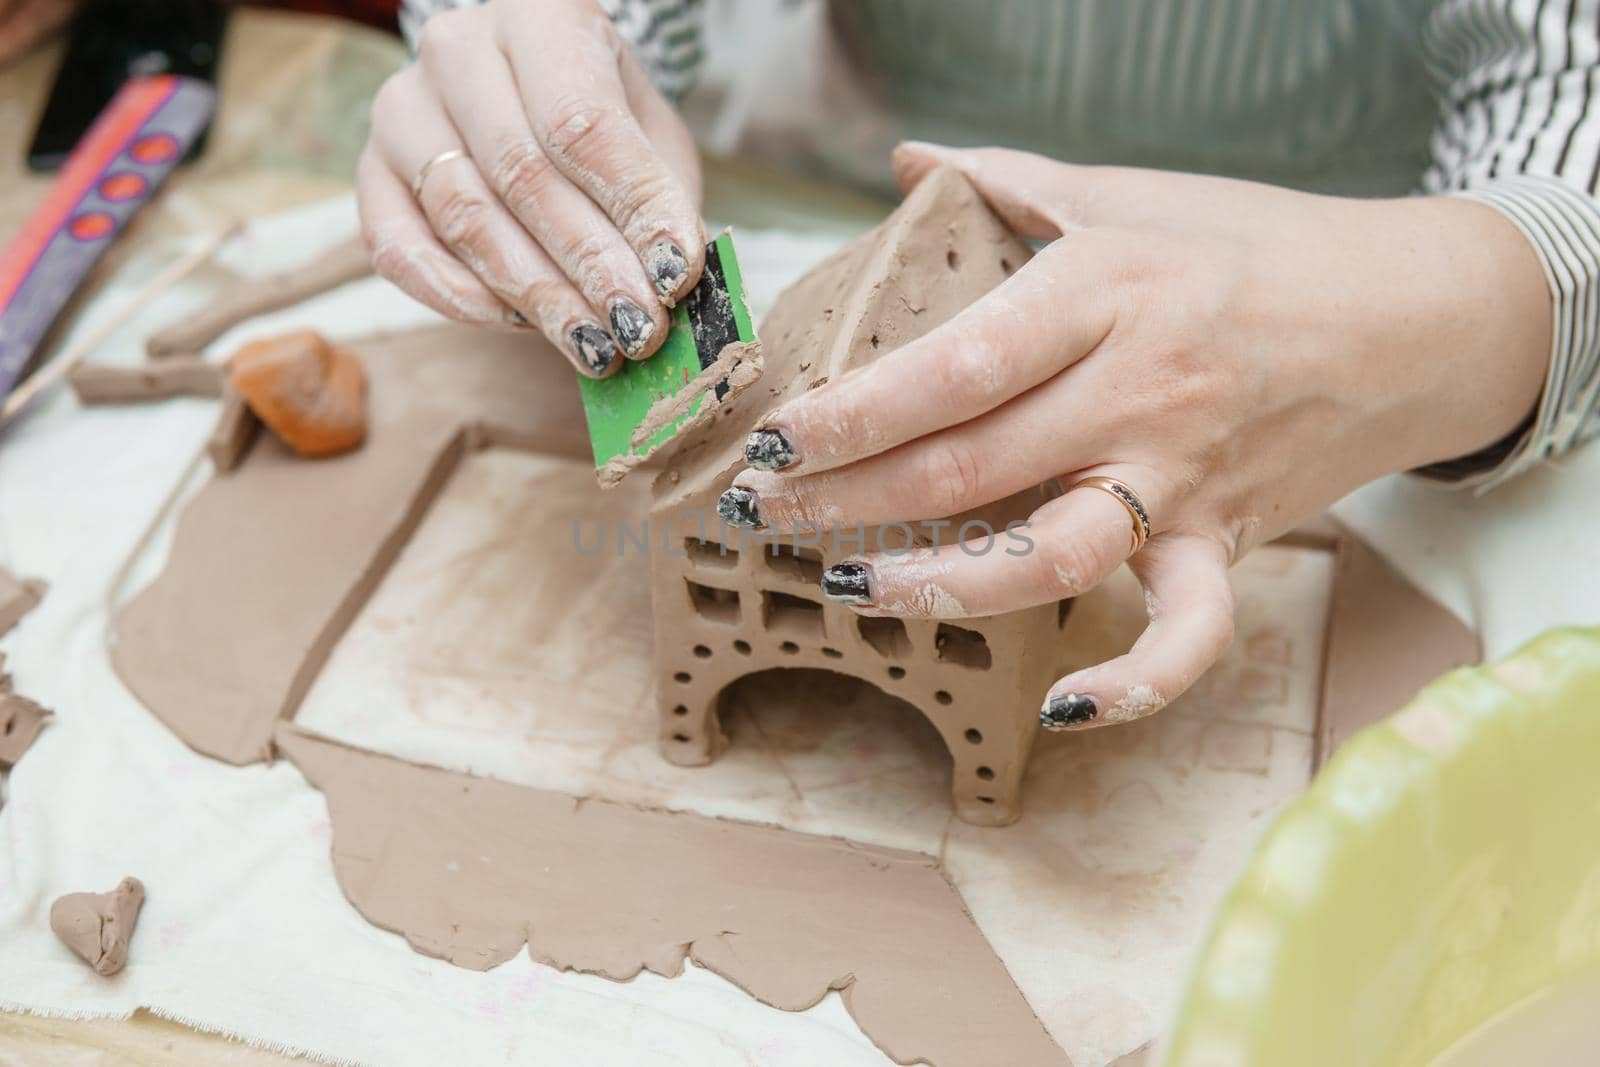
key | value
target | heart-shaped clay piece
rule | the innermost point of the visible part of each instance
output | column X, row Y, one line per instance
column 97, row 926
column 310, row 393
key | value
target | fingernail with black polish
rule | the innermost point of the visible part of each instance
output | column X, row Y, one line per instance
column 667, row 266
column 740, row 507
column 768, row 450
column 630, row 325
column 519, row 318
column 596, row 350
column 1060, row 713
column 848, row 583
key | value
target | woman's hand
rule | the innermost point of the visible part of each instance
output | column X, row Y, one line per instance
column 524, row 171
column 1240, row 356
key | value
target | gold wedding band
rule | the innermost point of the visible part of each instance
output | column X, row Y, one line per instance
column 422, row 175
column 1129, row 500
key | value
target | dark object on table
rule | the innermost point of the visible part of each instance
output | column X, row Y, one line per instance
column 112, row 41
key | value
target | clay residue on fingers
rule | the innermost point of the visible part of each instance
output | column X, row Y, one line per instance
column 431, row 269
column 1136, row 703
column 912, row 584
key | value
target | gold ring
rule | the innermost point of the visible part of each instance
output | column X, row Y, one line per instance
column 422, row 175
column 1129, row 499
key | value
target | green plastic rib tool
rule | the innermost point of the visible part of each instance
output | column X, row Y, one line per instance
column 711, row 316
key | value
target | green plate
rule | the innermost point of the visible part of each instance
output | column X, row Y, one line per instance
column 1443, row 867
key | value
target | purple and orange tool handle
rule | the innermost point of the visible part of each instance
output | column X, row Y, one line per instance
column 135, row 143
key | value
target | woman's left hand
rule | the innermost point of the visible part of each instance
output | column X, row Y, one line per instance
column 1239, row 355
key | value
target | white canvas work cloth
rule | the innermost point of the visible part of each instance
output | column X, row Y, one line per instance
column 245, row 930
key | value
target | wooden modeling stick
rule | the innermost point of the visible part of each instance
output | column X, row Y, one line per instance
column 344, row 262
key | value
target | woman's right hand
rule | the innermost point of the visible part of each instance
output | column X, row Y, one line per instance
column 573, row 204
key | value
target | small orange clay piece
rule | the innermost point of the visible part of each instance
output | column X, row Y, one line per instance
column 308, row 392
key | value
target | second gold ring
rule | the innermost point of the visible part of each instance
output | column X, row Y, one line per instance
column 1129, row 499
column 422, row 172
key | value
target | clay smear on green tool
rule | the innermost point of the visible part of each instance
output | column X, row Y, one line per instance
column 714, row 314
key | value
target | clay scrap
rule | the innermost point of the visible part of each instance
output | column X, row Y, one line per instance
column 268, row 565
column 21, row 721
column 102, row 383
column 18, row 596
column 310, row 393
column 470, row 869
column 98, row 926
column 234, row 432
column 344, row 262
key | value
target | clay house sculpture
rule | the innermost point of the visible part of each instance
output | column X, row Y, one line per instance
column 727, row 605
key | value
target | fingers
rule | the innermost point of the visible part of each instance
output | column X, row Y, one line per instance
column 1031, row 439
column 567, row 68
column 474, row 225
column 405, row 251
column 1191, row 625
column 1037, row 197
column 461, row 62
column 1042, row 199
column 1067, row 547
column 1047, row 316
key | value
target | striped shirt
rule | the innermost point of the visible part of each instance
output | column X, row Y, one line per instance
column 1490, row 99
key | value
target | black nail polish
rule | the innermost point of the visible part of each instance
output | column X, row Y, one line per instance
column 740, row 507
column 667, row 266
column 768, row 450
column 595, row 348
column 1059, row 713
column 848, row 583
column 630, row 325
column 519, row 318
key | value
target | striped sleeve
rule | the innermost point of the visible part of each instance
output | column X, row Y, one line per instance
column 1520, row 131
column 666, row 35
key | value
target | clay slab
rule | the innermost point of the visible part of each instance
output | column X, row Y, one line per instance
column 281, row 553
column 472, row 869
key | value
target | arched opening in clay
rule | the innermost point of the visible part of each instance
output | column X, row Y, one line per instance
column 810, row 711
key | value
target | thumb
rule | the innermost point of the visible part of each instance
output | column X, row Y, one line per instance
column 1037, row 197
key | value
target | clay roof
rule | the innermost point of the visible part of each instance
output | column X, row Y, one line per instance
column 938, row 252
